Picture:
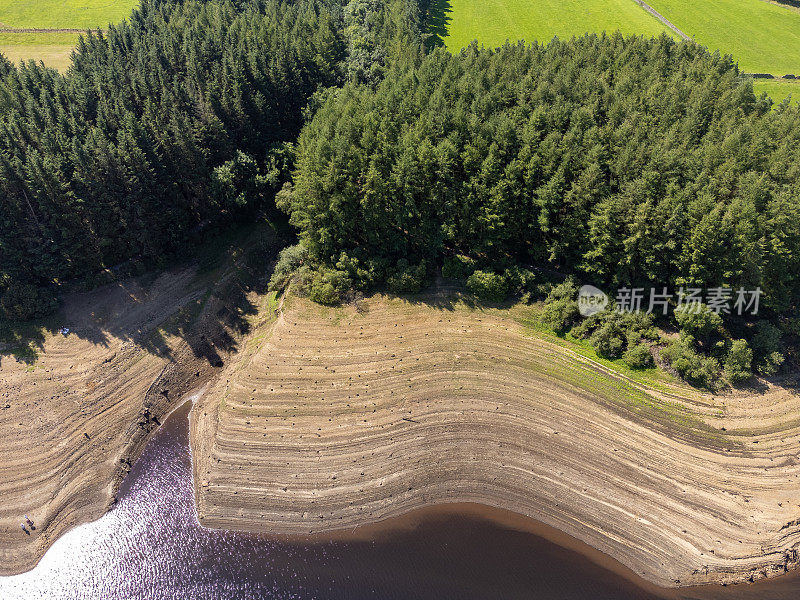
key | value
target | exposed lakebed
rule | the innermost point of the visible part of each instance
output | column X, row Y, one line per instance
column 151, row 546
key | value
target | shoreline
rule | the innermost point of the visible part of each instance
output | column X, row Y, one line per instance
column 340, row 418
column 78, row 418
column 575, row 556
column 383, row 530
column 524, row 457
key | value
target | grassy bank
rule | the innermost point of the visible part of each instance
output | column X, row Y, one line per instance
column 778, row 89
column 52, row 48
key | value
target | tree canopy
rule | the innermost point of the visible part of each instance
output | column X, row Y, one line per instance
column 623, row 161
column 628, row 161
column 138, row 144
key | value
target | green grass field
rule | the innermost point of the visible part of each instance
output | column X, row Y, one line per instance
column 763, row 37
column 491, row 22
column 778, row 89
column 64, row 14
column 53, row 49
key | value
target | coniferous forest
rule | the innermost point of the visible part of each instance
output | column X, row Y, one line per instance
column 628, row 161
column 618, row 160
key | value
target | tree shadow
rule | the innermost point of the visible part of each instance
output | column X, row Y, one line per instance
column 755, row 386
column 206, row 302
column 446, row 295
column 22, row 341
column 437, row 21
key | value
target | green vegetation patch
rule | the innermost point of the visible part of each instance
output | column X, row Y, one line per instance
column 763, row 37
column 492, row 22
column 52, row 48
column 673, row 416
column 64, row 14
column 43, row 38
column 656, row 378
column 778, row 89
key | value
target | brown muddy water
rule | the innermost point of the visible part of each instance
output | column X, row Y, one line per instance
column 150, row 546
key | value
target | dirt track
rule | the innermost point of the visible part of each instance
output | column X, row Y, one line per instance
column 335, row 418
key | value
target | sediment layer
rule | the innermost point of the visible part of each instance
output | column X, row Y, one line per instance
column 74, row 420
column 331, row 419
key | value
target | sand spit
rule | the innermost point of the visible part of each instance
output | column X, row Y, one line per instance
column 334, row 418
column 73, row 421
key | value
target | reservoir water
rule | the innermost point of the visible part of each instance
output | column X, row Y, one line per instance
column 150, row 546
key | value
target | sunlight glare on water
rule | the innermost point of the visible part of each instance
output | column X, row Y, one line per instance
column 151, row 544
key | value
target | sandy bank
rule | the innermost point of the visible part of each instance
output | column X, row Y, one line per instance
column 331, row 419
column 73, row 421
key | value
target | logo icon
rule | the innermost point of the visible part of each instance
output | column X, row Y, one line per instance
column 591, row 300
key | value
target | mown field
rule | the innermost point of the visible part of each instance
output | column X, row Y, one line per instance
column 53, row 47
column 492, row 22
column 63, row 14
column 778, row 89
column 764, row 37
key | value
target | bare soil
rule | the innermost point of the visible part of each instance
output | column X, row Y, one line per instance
column 331, row 419
column 74, row 420
column 323, row 420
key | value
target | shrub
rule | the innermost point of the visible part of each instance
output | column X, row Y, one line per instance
column 638, row 357
column 327, row 286
column 791, row 326
column 634, row 327
column 720, row 350
column 521, row 282
column 770, row 363
column 290, row 259
column 609, row 340
column 690, row 364
column 611, row 332
column 406, row 279
column 699, row 324
column 739, row 362
column 767, row 348
column 488, row 286
column 237, row 183
column 585, row 329
column 324, row 292
column 458, row 267
column 561, row 307
column 365, row 273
